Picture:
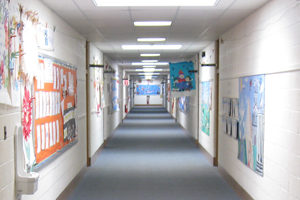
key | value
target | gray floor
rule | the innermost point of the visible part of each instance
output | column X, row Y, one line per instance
column 150, row 157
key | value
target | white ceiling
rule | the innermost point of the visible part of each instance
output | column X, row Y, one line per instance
column 111, row 27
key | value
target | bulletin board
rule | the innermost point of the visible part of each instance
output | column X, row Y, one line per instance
column 55, row 97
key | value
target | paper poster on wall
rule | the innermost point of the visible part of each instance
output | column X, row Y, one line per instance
column 182, row 78
column 230, row 107
column 115, row 96
column 15, row 53
column 4, row 59
column 251, row 122
column 206, row 101
column 184, row 104
column 27, row 119
column 55, row 107
column 148, row 90
column 45, row 36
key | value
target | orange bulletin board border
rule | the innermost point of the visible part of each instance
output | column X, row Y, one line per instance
column 54, row 107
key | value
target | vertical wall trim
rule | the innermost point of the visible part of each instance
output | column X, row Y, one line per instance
column 87, row 46
column 217, row 103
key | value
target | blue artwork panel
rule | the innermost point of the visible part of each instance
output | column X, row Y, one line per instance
column 183, row 104
column 148, row 90
column 251, row 122
column 206, row 94
column 182, row 77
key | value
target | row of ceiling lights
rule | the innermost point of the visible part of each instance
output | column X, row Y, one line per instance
column 149, row 66
column 153, row 23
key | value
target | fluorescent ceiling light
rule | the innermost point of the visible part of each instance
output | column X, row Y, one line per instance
column 148, row 77
column 155, row 2
column 150, row 54
column 149, row 61
column 152, row 47
column 151, row 39
column 149, row 69
column 151, row 66
column 152, row 23
column 143, row 63
column 147, row 73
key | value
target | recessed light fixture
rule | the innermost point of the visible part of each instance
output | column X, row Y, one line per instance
column 149, row 69
column 152, row 47
column 155, row 2
column 152, row 23
column 150, row 54
column 151, row 39
column 149, row 66
column 142, row 63
column 149, row 61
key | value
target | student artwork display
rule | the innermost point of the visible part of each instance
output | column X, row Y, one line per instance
column 230, row 117
column 45, row 36
column 27, row 113
column 182, row 78
column 115, row 96
column 148, row 90
column 251, row 122
column 4, row 42
column 169, row 92
column 173, row 111
column 98, row 89
column 183, row 104
column 11, row 30
column 206, row 101
column 55, row 97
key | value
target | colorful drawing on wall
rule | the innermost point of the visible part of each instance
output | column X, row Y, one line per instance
column 27, row 105
column 115, row 95
column 251, row 122
column 182, row 78
column 148, row 90
column 4, row 59
column 55, row 98
column 206, row 96
column 183, row 104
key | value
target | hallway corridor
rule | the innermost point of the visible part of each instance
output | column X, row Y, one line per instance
column 150, row 157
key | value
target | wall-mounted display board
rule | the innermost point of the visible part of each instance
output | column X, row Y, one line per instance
column 55, row 97
column 184, row 104
column 148, row 90
column 206, row 101
column 252, row 122
column 230, row 122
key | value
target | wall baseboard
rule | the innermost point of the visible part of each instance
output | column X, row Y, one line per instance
column 212, row 160
column 91, row 160
column 72, row 185
column 243, row 194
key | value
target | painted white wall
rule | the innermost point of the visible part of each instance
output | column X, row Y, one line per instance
column 55, row 176
column 267, row 42
column 112, row 119
column 189, row 120
column 208, row 142
column 96, row 119
column 154, row 99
